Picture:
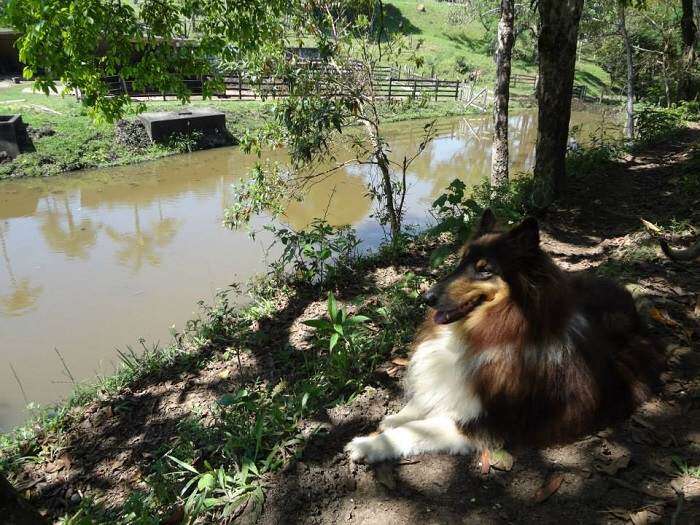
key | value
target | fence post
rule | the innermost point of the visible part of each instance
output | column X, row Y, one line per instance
column 414, row 88
column 390, row 82
column 437, row 83
column 456, row 90
column 240, row 86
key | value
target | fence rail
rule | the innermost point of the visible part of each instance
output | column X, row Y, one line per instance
column 387, row 82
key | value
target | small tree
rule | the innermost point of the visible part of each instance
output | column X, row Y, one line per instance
column 315, row 122
column 506, row 39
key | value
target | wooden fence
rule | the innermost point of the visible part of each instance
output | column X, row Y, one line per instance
column 239, row 87
column 387, row 80
column 578, row 91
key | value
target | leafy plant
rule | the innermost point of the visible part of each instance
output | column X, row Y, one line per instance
column 215, row 487
column 314, row 251
column 338, row 326
column 654, row 123
column 457, row 209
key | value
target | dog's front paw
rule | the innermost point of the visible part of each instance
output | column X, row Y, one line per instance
column 368, row 449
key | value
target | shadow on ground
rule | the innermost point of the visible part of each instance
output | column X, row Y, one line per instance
column 638, row 472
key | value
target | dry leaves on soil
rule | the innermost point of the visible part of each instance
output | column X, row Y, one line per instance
column 549, row 488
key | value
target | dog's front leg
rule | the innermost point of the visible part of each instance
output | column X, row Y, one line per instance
column 434, row 434
column 411, row 412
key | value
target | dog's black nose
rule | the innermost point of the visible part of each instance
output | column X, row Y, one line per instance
column 430, row 297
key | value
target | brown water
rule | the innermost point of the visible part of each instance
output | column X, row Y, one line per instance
column 92, row 262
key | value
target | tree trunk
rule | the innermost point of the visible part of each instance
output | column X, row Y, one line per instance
column 382, row 161
column 16, row 510
column 689, row 34
column 622, row 24
column 501, row 96
column 559, row 20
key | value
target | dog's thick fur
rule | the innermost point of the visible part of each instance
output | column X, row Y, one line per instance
column 515, row 351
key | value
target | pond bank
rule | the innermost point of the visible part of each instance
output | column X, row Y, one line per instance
column 64, row 138
column 251, row 391
column 148, row 238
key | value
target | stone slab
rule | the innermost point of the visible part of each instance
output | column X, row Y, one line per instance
column 10, row 130
column 160, row 125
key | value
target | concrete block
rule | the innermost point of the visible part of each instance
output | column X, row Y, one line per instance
column 10, row 129
column 162, row 124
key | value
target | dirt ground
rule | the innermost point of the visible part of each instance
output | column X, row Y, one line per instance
column 631, row 474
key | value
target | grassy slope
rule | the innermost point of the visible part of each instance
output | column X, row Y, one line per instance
column 444, row 44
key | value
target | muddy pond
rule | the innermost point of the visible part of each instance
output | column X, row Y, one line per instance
column 91, row 262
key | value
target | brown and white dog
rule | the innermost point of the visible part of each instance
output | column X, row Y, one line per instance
column 516, row 351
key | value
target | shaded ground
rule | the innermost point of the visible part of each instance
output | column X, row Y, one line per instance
column 636, row 473
column 640, row 473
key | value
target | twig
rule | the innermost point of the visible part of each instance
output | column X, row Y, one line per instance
column 65, row 366
column 680, row 498
column 631, row 487
column 24, row 394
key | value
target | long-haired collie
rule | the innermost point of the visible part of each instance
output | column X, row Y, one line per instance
column 514, row 351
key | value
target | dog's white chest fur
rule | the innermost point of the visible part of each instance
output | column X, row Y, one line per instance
column 439, row 377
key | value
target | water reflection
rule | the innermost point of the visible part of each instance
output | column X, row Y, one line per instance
column 141, row 246
column 61, row 230
column 22, row 295
column 94, row 261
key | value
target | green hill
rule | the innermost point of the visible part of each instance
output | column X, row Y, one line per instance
column 452, row 45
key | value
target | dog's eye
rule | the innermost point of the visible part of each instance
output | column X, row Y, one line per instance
column 483, row 269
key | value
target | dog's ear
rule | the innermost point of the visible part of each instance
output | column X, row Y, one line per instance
column 487, row 223
column 527, row 233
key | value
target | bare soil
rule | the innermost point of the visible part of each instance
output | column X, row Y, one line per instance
column 621, row 475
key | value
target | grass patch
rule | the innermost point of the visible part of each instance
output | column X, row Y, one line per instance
column 77, row 142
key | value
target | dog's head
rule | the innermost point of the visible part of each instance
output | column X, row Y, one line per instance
column 490, row 266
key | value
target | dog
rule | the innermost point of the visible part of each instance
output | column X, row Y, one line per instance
column 516, row 352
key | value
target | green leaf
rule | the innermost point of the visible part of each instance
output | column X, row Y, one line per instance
column 206, row 482
column 332, row 306
column 439, row 255
column 339, row 328
column 357, row 319
column 184, row 465
column 317, row 323
column 334, row 340
column 227, row 400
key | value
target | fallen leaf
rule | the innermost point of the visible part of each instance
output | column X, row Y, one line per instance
column 549, row 488
column 617, row 464
column 639, row 518
column 400, row 361
column 55, row 466
column 485, row 461
column 662, row 317
column 696, row 311
column 175, row 517
column 394, row 371
column 502, row 460
column 224, row 374
column 651, row 226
